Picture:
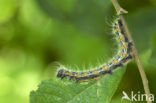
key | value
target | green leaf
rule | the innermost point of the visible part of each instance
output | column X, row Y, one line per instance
column 65, row 91
column 142, row 27
column 83, row 14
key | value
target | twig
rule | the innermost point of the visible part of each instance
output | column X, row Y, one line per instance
column 121, row 11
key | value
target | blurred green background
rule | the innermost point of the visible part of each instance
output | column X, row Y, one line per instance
column 36, row 35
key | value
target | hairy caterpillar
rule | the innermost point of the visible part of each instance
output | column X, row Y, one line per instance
column 123, row 56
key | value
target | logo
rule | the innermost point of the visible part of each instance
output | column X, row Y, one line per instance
column 137, row 97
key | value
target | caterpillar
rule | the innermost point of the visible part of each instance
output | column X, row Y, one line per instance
column 124, row 55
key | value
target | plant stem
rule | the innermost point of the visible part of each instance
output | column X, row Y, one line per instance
column 121, row 11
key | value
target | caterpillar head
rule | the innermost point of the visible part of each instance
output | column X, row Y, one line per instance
column 60, row 73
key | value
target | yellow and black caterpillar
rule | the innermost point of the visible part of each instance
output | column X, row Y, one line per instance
column 123, row 56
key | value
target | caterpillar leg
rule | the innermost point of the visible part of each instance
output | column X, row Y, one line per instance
column 110, row 72
column 77, row 80
column 129, row 50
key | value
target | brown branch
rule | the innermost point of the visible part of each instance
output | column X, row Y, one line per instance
column 121, row 11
